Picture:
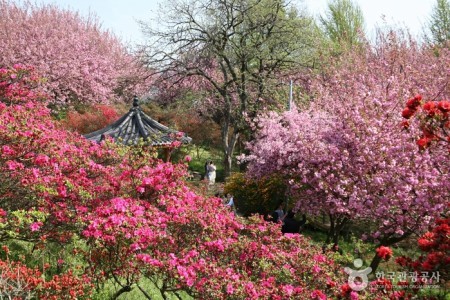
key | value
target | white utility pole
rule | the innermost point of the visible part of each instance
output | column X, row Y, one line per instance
column 290, row 96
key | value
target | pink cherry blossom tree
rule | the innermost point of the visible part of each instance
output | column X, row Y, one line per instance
column 347, row 155
column 80, row 61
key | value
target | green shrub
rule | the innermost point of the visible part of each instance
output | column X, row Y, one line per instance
column 255, row 196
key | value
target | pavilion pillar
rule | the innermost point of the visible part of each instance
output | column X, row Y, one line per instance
column 166, row 154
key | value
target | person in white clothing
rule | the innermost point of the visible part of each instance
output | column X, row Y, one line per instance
column 212, row 172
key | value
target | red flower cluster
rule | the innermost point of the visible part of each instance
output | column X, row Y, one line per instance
column 434, row 120
column 20, row 282
column 411, row 107
column 345, row 290
column 437, row 245
column 384, row 252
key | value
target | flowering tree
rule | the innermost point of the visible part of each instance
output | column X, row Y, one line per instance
column 347, row 155
column 80, row 61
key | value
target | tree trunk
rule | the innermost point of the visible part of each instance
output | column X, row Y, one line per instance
column 330, row 231
column 229, row 143
column 375, row 262
column 124, row 289
column 387, row 242
column 334, row 233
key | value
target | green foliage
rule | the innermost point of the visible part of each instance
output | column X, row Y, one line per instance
column 439, row 25
column 344, row 23
column 19, row 221
column 255, row 196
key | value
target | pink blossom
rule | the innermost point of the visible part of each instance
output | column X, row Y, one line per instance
column 7, row 150
column 316, row 269
column 318, row 295
column 230, row 289
column 36, row 226
column 354, row 295
column 13, row 165
column 41, row 160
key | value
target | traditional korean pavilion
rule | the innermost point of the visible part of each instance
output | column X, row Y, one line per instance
column 136, row 126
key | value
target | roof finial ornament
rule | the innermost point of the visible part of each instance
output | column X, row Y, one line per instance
column 135, row 101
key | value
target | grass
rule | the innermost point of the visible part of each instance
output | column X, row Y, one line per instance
column 201, row 155
column 150, row 287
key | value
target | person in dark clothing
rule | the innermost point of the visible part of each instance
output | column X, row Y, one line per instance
column 206, row 171
column 291, row 225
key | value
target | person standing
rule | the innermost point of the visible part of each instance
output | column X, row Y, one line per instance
column 212, row 172
column 207, row 170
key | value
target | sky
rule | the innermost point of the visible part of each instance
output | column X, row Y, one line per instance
column 120, row 16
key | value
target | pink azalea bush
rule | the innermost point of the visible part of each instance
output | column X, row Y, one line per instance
column 135, row 218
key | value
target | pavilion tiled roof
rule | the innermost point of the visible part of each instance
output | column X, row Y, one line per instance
column 136, row 126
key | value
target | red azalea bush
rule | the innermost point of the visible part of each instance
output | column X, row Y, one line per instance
column 433, row 117
column 434, row 123
column 435, row 245
column 92, row 119
column 17, row 281
column 384, row 252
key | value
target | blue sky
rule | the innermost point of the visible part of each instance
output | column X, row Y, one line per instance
column 120, row 15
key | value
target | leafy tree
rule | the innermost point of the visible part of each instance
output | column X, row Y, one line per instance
column 80, row 61
column 343, row 23
column 439, row 25
column 233, row 50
